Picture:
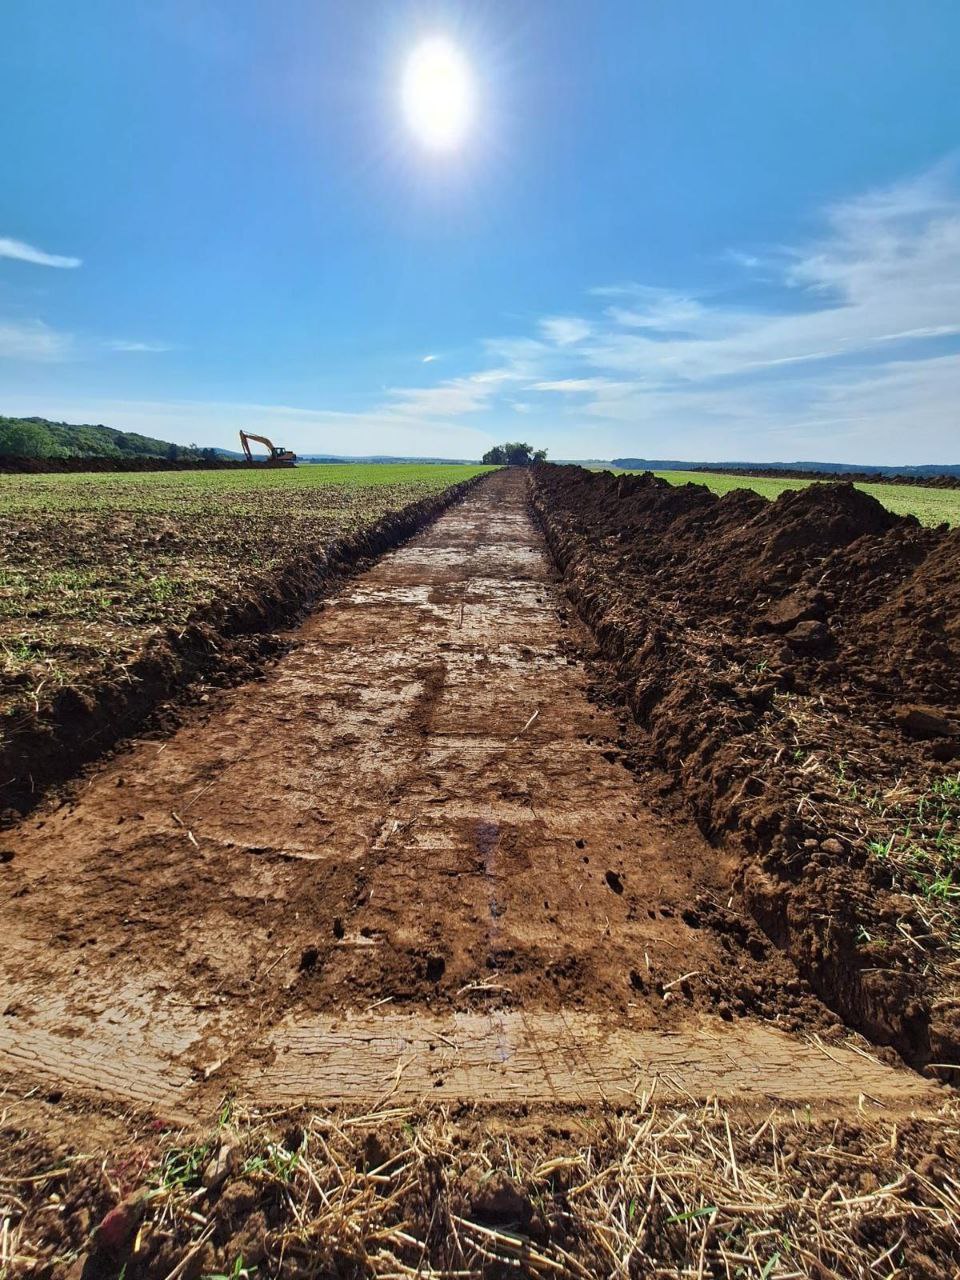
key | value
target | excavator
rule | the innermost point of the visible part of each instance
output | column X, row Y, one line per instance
column 276, row 457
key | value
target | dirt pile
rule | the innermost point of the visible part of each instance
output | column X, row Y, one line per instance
column 12, row 465
column 797, row 665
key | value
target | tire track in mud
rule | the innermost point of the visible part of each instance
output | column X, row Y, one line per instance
column 407, row 861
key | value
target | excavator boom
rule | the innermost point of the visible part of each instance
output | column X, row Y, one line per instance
column 275, row 458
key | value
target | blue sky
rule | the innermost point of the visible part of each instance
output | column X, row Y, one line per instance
column 684, row 229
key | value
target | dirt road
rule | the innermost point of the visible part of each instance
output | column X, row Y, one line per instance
column 409, row 861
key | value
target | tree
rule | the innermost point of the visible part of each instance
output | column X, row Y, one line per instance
column 513, row 454
column 495, row 457
column 26, row 440
column 173, row 452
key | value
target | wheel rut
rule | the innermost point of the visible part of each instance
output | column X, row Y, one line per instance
column 408, row 862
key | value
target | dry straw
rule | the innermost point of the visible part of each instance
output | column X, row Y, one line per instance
column 653, row 1191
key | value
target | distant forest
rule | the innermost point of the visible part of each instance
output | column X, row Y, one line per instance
column 838, row 468
column 40, row 438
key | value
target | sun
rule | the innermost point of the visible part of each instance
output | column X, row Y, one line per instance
column 438, row 95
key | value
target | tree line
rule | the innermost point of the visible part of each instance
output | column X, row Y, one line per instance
column 513, row 455
column 40, row 438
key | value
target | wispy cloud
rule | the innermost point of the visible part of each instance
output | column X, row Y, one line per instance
column 577, row 386
column 123, row 344
column 886, row 270
column 34, row 341
column 872, row 302
column 20, row 251
column 845, row 347
column 565, row 330
column 454, row 397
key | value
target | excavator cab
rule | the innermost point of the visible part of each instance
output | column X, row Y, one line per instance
column 275, row 457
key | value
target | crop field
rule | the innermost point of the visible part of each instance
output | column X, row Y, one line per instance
column 92, row 565
column 930, row 506
column 573, row 891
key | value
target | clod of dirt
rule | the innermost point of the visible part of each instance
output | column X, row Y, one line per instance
column 376, row 1152
column 925, row 722
column 338, row 929
column 436, row 965
column 614, row 881
column 784, row 615
column 308, row 959
column 809, row 637
column 500, row 1203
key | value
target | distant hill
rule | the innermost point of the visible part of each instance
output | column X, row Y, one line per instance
column 40, row 438
column 836, row 468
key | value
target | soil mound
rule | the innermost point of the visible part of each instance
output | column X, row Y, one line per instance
column 778, row 653
column 10, row 465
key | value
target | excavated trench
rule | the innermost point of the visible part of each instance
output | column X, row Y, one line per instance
column 408, row 862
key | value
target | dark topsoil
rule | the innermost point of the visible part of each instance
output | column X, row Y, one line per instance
column 796, row 664
column 10, row 465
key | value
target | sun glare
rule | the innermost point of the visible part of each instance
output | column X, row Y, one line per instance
column 438, row 94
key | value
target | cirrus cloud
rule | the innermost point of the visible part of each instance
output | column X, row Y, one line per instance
column 20, row 251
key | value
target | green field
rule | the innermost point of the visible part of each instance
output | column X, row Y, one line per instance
column 93, row 564
column 930, row 506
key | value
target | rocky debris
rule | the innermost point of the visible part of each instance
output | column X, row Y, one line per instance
column 222, row 1165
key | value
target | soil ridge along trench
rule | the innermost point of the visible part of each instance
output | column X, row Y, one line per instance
column 409, row 862
column 773, row 656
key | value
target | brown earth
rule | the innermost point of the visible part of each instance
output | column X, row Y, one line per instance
column 411, row 866
column 418, row 809
column 10, row 464
column 130, row 676
column 796, row 665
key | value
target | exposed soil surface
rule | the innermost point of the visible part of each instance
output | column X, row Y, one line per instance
column 418, row 809
column 796, row 664
column 117, row 603
column 411, row 863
